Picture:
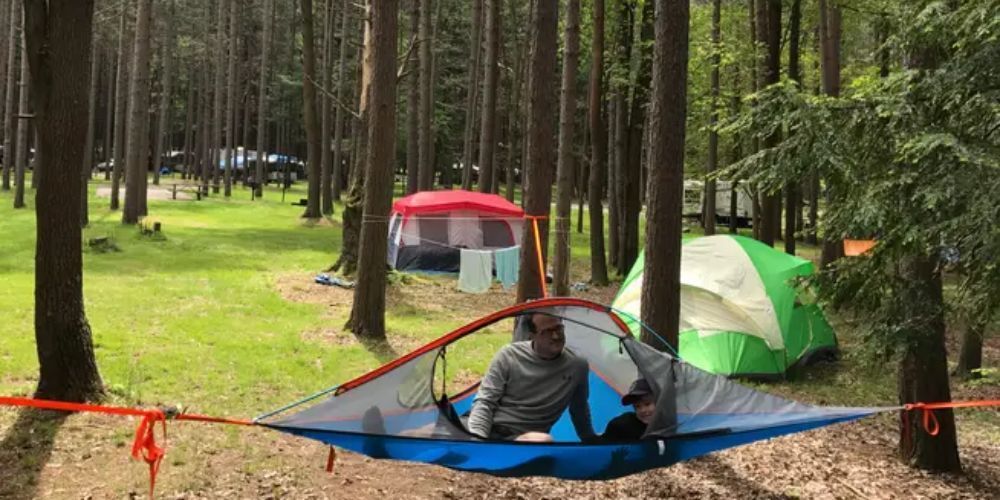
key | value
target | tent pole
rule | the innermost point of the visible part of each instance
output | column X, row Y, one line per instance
column 538, row 251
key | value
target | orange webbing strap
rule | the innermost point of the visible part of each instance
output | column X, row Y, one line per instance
column 144, row 445
column 929, row 420
column 538, row 252
column 330, row 459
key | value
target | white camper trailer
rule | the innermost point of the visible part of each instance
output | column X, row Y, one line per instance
column 694, row 202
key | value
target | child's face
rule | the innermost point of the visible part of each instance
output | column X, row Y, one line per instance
column 645, row 408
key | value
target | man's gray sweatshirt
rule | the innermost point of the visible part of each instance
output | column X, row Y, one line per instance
column 525, row 393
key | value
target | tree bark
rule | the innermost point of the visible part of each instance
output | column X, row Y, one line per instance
column 472, row 100
column 191, row 108
column 326, row 174
column 487, row 136
column 138, row 123
column 163, row 127
column 631, row 202
column 368, row 312
column 829, row 38
column 615, row 180
column 21, row 158
column 598, row 151
column 970, row 358
column 769, row 34
column 538, row 188
column 219, row 97
column 792, row 188
column 262, row 96
column 413, row 105
column 426, row 133
column 121, row 103
column 10, row 123
column 88, row 149
column 565, row 162
column 6, row 31
column 109, row 112
column 923, row 369
column 58, row 37
column 708, row 217
column 230, row 137
column 661, row 278
column 207, row 130
column 354, row 204
column 338, row 128
column 514, row 113
column 309, row 110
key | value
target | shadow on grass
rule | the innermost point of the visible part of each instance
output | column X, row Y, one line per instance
column 25, row 450
column 381, row 349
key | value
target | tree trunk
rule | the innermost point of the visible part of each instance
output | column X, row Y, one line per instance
column 792, row 188
column 109, row 113
column 565, row 166
column 219, row 96
column 631, row 201
column 262, row 96
column 472, row 101
column 163, row 127
column 970, row 358
column 368, row 312
column 88, row 148
column 207, row 131
column 309, row 110
column 191, row 108
column 426, row 139
column 616, row 182
column 413, row 104
column 7, row 15
column 58, row 36
column 619, row 174
column 708, row 215
column 829, row 39
column 354, row 204
column 326, row 174
column 923, row 370
column 661, row 278
column 514, row 115
column 769, row 34
column 338, row 127
column 21, row 158
column 538, row 181
column 138, row 123
column 487, row 139
column 230, row 119
column 598, row 151
column 121, row 103
column 10, row 123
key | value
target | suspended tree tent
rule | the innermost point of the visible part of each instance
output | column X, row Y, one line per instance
column 406, row 410
column 741, row 313
column 427, row 230
column 411, row 409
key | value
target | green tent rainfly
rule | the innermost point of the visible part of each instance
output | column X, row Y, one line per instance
column 741, row 313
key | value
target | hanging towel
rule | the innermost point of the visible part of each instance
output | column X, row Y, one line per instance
column 508, row 265
column 475, row 271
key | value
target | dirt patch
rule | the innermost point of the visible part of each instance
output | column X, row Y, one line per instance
column 153, row 192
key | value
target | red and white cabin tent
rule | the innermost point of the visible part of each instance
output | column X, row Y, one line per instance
column 427, row 230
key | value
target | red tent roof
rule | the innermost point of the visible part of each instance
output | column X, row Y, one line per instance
column 446, row 201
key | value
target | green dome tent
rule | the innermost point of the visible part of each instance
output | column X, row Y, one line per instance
column 741, row 314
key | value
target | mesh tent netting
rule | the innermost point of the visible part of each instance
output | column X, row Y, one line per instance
column 413, row 408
